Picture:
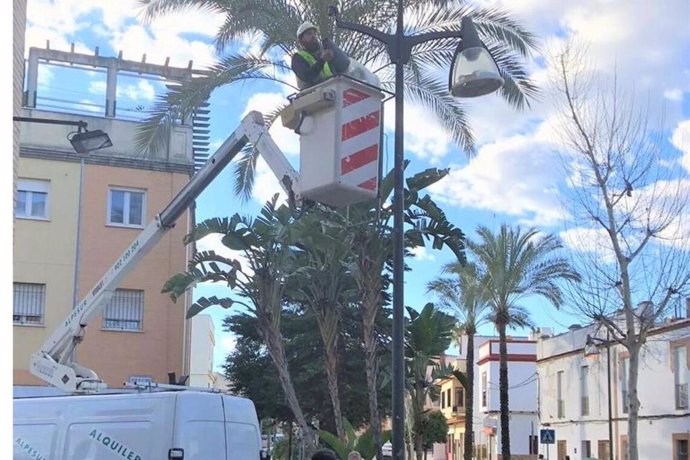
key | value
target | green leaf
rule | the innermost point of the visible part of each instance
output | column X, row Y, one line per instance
column 204, row 302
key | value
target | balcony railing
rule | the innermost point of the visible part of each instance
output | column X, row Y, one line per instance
column 681, row 396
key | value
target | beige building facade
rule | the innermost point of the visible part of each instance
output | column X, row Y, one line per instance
column 74, row 216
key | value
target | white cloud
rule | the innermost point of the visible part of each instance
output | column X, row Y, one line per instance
column 90, row 106
column 422, row 254
column 122, row 26
column 674, row 94
column 136, row 40
column 97, row 87
column 286, row 139
column 227, row 344
column 587, row 240
column 142, row 90
column 513, row 176
column 681, row 140
column 45, row 75
column 266, row 184
column 425, row 137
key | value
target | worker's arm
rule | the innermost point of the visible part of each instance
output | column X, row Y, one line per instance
column 310, row 74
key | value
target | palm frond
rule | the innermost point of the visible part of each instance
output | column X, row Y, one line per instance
column 156, row 8
column 434, row 96
column 180, row 101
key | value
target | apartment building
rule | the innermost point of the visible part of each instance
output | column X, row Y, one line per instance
column 77, row 213
column 524, row 424
column 574, row 392
column 203, row 342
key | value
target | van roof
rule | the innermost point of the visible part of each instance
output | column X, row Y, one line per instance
column 28, row 391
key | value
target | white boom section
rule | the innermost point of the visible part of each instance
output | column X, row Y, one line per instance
column 53, row 362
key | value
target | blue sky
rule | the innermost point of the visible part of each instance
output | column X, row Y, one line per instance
column 515, row 174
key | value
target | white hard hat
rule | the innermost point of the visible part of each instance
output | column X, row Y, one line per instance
column 306, row 25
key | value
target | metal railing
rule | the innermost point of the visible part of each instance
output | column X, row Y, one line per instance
column 681, row 396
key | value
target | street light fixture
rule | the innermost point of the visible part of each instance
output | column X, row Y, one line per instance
column 473, row 74
column 591, row 352
column 83, row 141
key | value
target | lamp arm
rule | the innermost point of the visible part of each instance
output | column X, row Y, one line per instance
column 366, row 30
column 415, row 40
column 617, row 333
column 80, row 124
column 383, row 37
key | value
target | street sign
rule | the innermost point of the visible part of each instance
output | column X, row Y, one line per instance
column 547, row 436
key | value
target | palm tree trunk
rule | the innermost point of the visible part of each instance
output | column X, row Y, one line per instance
column 419, row 414
column 469, row 398
column 332, row 376
column 372, row 370
column 503, row 390
column 274, row 344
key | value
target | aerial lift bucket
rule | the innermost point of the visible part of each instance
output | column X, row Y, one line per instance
column 340, row 124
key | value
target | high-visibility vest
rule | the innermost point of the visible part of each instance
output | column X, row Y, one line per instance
column 311, row 60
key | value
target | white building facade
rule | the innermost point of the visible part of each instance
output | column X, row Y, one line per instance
column 574, row 394
column 203, row 343
column 522, row 395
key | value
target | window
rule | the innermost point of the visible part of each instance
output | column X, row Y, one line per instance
column 681, row 376
column 624, row 383
column 682, row 449
column 443, row 399
column 586, row 449
column 126, row 207
column 584, row 390
column 559, row 389
column 483, row 389
column 29, row 303
column 459, row 397
column 32, row 199
column 125, row 311
column 533, row 444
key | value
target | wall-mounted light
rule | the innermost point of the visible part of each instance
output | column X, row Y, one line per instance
column 82, row 141
column 88, row 141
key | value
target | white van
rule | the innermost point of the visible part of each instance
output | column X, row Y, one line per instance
column 180, row 425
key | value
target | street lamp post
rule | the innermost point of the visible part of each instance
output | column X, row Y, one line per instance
column 591, row 352
column 473, row 73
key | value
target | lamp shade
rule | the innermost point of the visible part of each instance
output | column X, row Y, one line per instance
column 474, row 72
column 591, row 351
column 90, row 140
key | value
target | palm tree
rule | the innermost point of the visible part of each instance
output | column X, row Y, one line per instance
column 324, row 284
column 461, row 292
column 515, row 264
column 371, row 254
column 263, row 281
column 273, row 24
column 428, row 335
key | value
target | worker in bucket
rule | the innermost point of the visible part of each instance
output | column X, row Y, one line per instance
column 316, row 60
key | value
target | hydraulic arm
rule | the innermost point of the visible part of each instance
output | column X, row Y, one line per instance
column 53, row 362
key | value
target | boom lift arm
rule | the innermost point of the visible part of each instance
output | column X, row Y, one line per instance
column 52, row 363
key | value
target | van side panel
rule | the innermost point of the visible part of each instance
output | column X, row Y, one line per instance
column 241, row 429
column 129, row 440
column 35, row 441
column 242, row 441
column 94, row 427
column 199, row 426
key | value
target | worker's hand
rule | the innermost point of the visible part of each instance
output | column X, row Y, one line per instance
column 327, row 55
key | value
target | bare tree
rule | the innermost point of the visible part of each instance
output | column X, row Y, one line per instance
column 628, row 197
